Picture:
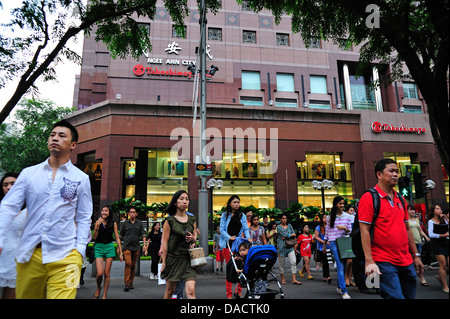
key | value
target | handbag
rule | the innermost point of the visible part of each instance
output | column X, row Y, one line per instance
column 290, row 242
column 344, row 247
column 197, row 257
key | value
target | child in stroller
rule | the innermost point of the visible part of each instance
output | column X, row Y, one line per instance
column 257, row 264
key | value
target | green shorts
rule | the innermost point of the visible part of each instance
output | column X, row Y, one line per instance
column 104, row 250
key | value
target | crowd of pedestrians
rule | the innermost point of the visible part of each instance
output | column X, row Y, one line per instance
column 43, row 242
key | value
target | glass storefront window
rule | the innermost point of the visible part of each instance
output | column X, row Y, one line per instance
column 162, row 190
column 259, row 193
column 321, row 166
column 93, row 168
column 402, row 159
column 243, row 174
column 166, row 175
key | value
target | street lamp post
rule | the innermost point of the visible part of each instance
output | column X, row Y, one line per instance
column 203, row 192
column 211, row 184
column 427, row 186
column 322, row 185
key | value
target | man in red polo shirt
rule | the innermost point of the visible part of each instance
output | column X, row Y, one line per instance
column 392, row 254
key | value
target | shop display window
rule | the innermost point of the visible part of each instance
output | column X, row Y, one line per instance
column 322, row 166
column 166, row 175
column 244, row 174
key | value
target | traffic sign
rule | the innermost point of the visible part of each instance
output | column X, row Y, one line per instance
column 203, row 170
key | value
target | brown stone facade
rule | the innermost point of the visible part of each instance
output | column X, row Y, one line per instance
column 109, row 130
column 128, row 105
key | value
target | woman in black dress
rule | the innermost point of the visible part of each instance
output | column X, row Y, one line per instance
column 153, row 248
column 438, row 232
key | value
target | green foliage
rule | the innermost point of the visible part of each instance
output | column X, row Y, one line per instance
column 35, row 40
column 158, row 207
column 123, row 205
column 272, row 213
column 24, row 142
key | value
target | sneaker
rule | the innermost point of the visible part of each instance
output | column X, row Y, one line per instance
column 126, row 288
column 339, row 291
column 152, row 276
column 346, row 296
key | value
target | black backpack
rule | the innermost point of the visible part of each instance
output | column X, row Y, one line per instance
column 356, row 231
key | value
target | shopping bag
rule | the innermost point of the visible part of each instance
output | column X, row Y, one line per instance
column 344, row 247
column 160, row 280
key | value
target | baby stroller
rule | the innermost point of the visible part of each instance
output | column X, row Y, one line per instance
column 257, row 267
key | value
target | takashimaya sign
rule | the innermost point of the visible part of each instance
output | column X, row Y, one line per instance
column 377, row 127
column 172, row 48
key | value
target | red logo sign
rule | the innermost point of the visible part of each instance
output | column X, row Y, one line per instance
column 377, row 127
column 139, row 70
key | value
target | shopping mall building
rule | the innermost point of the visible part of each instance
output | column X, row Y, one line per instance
column 280, row 116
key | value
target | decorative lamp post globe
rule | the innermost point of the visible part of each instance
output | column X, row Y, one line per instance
column 322, row 185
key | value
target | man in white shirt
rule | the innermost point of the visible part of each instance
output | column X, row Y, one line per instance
column 59, row 202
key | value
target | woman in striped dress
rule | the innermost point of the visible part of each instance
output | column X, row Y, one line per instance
column 338, row 225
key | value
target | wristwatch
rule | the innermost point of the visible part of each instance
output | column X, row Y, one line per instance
column 417, row 254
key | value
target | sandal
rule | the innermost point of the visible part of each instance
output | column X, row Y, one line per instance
column 296, row 283
column 425, row 284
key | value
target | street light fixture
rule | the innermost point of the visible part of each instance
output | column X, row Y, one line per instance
column 427, row 186
column 322, row 185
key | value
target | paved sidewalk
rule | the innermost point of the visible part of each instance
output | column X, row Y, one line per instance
column 211, row 286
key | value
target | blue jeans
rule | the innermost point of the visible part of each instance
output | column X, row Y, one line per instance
column 339, row 267
column 397, row 282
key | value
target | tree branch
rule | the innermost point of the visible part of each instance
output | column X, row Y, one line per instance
column 31, row 75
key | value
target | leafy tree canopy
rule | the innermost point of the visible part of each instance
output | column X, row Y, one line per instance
column 24, row 141
column 37, row 36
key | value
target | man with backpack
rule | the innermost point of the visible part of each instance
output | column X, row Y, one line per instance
column 388, row 252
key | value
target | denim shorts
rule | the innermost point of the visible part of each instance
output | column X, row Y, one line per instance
column 397, row 282
column 102, row 250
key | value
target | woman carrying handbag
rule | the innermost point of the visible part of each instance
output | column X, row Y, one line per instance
column 286, row 248
column 178, row 236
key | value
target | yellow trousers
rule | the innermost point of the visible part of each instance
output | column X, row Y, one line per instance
column 56, row 280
